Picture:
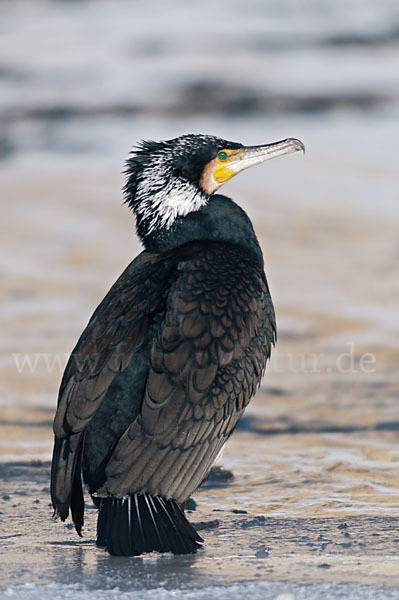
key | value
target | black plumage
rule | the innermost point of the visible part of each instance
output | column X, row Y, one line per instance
column 172, row 355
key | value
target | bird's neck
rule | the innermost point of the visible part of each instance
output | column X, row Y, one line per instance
column 220, row 220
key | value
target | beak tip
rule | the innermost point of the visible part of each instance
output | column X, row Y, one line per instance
column 298, row 145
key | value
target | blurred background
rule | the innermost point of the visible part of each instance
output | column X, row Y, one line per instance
column 83, row 81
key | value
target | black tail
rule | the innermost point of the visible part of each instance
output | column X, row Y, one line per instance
column 143, row 523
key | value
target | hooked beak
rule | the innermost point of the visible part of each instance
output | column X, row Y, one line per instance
column 254, row 155
column 230, row 162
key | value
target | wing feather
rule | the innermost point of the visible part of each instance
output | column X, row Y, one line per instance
column 114, row 335
column 206, row 362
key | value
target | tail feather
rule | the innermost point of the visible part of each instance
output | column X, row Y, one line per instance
column 152, row 530
column 124, row 541
column 143, row 523
column 175, row 535
column 102, row 520
column 137, row 540
column 115, row 528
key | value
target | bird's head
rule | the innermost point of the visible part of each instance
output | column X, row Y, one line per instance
column 170, row 179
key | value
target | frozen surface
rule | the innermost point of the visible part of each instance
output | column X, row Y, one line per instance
column 257, row 591
column 313, row 509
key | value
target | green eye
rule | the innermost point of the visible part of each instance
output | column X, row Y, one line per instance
column 222, row 155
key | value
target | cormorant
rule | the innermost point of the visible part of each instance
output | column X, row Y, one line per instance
column 172, row 355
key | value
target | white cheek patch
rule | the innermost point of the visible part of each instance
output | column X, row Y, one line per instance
column 161, row 207
column 178, row 203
